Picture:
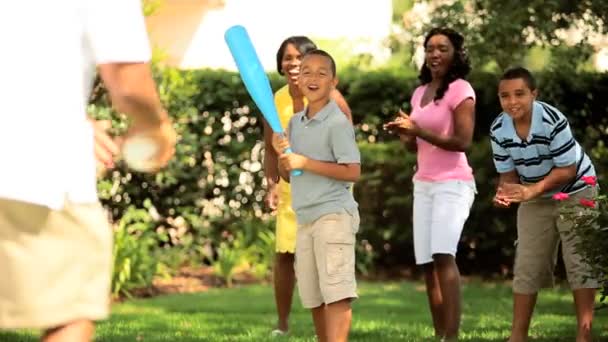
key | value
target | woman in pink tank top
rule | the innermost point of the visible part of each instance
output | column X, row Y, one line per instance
column 439, row 130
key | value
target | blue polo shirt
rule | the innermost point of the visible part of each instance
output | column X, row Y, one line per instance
column 549, row 144
column 328, row 137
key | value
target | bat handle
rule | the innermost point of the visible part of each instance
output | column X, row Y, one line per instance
column 293, row 172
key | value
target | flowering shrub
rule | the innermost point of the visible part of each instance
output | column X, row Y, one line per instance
column 590, row 219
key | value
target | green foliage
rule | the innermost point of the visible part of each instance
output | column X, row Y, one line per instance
column 229, row 258
column 133, row 253
column 216, row 174
column 399, row 7
column 384, row 191
column 151, row 6
column 245, row 314
column 384, row 205
column 591, row 234
column 247, row 247
column 365, row 256
column 509, row 29
column 214, row 187
column 260, row 241
column 375, row 97
column 260, row 255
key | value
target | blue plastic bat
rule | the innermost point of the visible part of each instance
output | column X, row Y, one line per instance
column 254, row 77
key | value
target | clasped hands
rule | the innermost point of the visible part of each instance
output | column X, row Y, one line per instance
column 508, row 193
column 287, row 161
column 403, row 125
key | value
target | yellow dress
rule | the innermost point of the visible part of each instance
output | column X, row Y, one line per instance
column 286, row 217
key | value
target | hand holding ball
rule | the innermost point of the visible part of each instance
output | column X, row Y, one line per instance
column 151, row 149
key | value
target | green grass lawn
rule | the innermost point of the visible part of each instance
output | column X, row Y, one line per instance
column 385, row 312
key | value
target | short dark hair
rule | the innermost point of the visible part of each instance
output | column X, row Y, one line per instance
column 520, row 72
column 323, row 53
column 302, row 44
column 460, row 67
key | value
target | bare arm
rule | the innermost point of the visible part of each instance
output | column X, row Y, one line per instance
column 271, row 169
column 559, row 176
column 510, row 177
column 271, row 160
column 343, row 172
column 280, row 143
column 284, row 173
column 500, row 199
column 409, row 142
column 460, row 140
column 341, row 102
column 105, row 147
column 133, row 92
column 464, row 124
column 292, row 161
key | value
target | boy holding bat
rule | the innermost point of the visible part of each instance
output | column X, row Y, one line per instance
column 324, row 148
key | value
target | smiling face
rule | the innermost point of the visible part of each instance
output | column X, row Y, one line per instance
column 516, row 98
column 439, row 54
column 290, row 64
column 317, row 78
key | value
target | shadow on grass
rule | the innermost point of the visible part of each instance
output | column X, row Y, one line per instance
column 384, row 312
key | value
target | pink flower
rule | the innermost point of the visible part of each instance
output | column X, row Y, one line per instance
column 589, row 180
column 587, row 203
column 560, row 196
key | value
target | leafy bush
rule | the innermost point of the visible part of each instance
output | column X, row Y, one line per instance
column 133, row 254
column 590, row 221
column 215, row 183
column 242, row 251
column 229, row 258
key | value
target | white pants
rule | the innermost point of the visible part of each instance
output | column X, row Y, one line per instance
column 440, row 211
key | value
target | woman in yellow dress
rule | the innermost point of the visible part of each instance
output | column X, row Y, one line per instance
column 288, row 100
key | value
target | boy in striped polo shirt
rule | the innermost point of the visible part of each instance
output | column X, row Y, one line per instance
column 537, row 157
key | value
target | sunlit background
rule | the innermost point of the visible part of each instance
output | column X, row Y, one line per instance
column 190, row 32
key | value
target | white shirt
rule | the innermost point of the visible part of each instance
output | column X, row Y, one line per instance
column 47, row 64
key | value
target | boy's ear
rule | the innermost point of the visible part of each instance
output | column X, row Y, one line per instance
column 535, row 93
column 335, row 81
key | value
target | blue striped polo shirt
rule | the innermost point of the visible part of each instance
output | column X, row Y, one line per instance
column 549, row 144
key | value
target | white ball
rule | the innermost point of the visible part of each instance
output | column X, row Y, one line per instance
column 139, row 151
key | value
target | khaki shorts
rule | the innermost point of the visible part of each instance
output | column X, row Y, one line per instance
column 325, row 259
column 55, row 264
column 539, row 231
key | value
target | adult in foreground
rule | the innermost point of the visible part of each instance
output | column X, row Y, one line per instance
column 55, row 241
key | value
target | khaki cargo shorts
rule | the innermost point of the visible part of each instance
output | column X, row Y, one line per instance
column 325, row 259
column 539, row 231
column 55, row 264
